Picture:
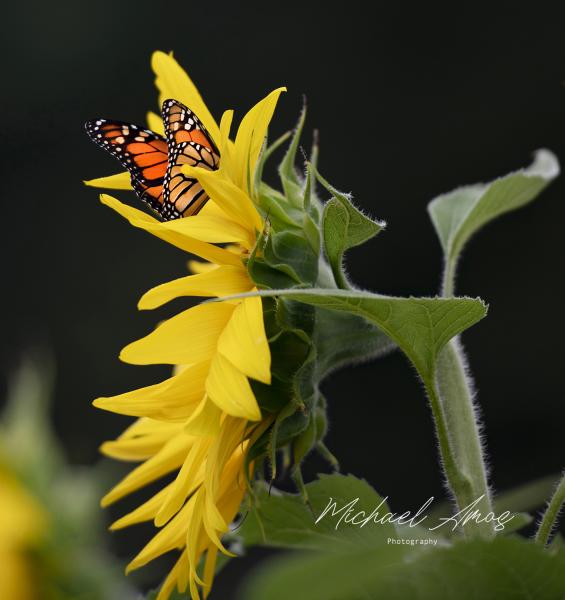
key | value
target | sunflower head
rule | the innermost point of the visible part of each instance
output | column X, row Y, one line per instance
column 246, row 369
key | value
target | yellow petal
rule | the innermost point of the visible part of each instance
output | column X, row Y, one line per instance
column 169, row 458
column 244, row 343
column 224, row 280
column 147, row 426
column 217, row 473
column 168, row 538
column 187, row 481
column 173, row 82
column 209, row 570
column 155, row 123
column 230, row 198
column 212, row 228
column 135, row 449
column 189, row 337
column 184, row 575
column 143, row 513
column 195, row 539
column 211, row 208
column 229, row 389
column 197, row 266
column 205, row 420
column 226, row 145
column 172, row 578
column 23, row 521
column 175, row 398
column 251, row 135
column 143, row 221
column 120, row 181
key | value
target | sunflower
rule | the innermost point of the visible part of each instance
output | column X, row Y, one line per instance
column 200, row 422
column 23, row 524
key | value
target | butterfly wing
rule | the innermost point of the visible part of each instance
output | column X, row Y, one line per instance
column 141, row 151
column 189, row 144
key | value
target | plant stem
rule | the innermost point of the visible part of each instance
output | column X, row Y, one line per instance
column 468, row 481
column 459, row 439
column 551, row 514
column 448, row 282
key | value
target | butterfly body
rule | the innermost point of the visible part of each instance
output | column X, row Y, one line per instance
column 154, row 162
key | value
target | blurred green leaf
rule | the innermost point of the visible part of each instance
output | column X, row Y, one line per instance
column 526, row 497
column 501, row 569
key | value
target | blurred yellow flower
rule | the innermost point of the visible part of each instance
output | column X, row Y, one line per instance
column 23, row 525
column 201, row 421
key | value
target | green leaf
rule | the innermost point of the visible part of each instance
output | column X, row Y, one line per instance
column 344, row 227
column 419, row 326
column 283, row 520
column 505, row 568
column 458, row 215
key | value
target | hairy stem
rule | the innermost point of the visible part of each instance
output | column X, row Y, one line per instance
column 459, row 439
column 448, row 281
column 551, row 514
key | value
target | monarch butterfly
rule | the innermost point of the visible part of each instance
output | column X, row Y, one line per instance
column 154, row 162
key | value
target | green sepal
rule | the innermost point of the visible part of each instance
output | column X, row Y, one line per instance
column 291, row 183
column 267, row 278
column 311, row 217
column 292, row 316
column 266, row 153
column 321, row 418
column 282, row 214
column 305, row 441
column 293, row 255
column 289, row 423
column 272, row 397
column 288, row 353
column 305, row 384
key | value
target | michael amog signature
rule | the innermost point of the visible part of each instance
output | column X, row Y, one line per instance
column 349, row 513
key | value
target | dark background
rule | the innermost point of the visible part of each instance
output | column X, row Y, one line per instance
column 410, row 103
